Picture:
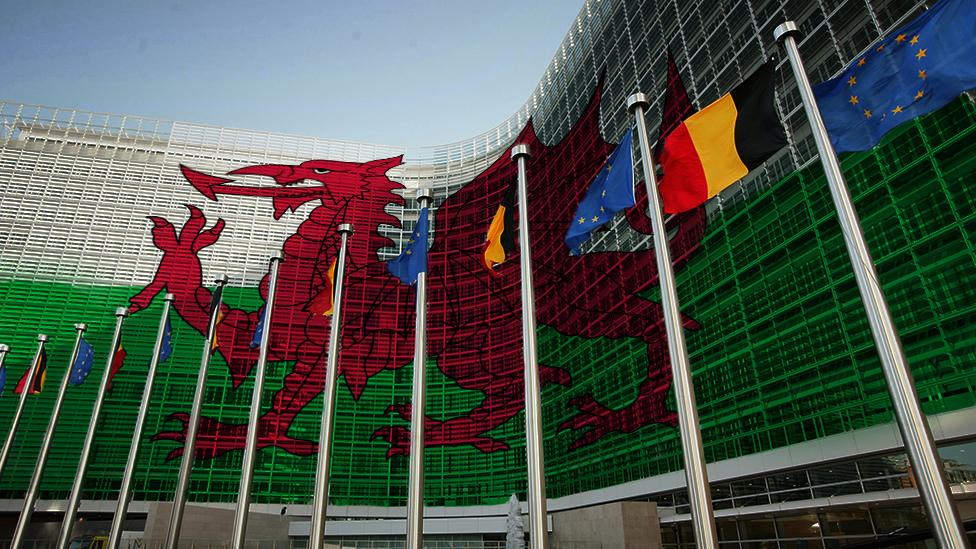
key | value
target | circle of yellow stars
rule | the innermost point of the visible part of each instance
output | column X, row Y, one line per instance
column 920, row 54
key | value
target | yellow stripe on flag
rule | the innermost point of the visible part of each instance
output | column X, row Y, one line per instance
column 712, row 130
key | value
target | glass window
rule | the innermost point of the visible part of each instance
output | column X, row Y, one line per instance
column 757, row 528
column 787, row 481
column 798, row 526
column 849, row 522
column 891, row 520
column 837, row 472
column 727, row 530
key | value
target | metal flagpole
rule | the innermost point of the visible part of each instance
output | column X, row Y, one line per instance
column 696, row 474
column 415, row 488
column 28, row 384
column 538, row 533
column 189, row 445
column 251, row 443
column 915, row 431
column 31, row 497
column 71, row 510
column 125, row 491
column 320, row 501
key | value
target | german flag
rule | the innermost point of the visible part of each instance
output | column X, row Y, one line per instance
column 721, row 143
column 40, row 375
column 322, row 303
column 500, row 242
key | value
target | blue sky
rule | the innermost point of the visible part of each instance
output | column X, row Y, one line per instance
column 407, row 73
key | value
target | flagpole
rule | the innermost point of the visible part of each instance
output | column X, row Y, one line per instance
column 189, row 445
column 538, row 533
column 915, row 431
column 125, row 491
column 71, row 510
column 28, row 384
column 696, row 473
column 320, row 501
column 415, row 487
column 31, row 497
column 251, row 443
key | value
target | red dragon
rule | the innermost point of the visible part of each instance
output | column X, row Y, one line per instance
column 474, row 322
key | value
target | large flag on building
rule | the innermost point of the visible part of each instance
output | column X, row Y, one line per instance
column 40, row 374
column 83, row 363
column 721, row 143
column 413, row 260
column 610, row 192
column 913, row 71
column 322, row 303
column 500, row 241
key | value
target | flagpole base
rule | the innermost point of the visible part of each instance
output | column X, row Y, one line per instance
column 520, row 150
column 638, row 100
column 787, row 28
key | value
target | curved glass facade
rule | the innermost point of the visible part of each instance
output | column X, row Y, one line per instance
column 779, row 344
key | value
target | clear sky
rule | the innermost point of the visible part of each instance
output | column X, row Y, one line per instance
column 409, row 72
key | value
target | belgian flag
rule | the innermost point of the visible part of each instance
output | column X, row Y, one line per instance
column 40, row 375
column 721, row 143
column 500, row 241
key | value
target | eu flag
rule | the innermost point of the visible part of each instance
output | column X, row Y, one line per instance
column 413, row 260
column 167, row 347
column 258, row 330
column 913, row 71
column 83, row 363
column 3, row 379
column 611, row 192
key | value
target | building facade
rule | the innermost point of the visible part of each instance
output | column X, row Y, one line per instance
column 792, row 401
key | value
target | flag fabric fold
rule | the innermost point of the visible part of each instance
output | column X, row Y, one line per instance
column 322, row 303
column 721, row 143
column 500, row 241
column 413, row 260
column 611, row 191
column 83, row 363
column 40, row 375
column 118, row 358
column 912, row 71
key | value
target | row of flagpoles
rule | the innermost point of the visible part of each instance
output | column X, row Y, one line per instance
column 411, row 268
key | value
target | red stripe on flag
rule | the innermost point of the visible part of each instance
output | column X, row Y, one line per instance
column 684, row 186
